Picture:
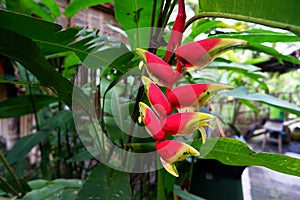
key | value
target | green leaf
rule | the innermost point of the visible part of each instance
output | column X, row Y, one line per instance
column 271, row 51
column 281, row 14
column 234, row 152
column 84, row 155
column 249, row 104
column 241, row 93
column 135, row 17
column 52, row 6
column 260, row 36
column 105, row 183
column 77, row 5
column 41, row 11
column 24, row 145
column 28, row 26
column 60, row 189
column 17, row 106
column 19, row 82
column 21, row 6
column 246, row 70
column 29, row 7
column 15, row 47
column 234, row 66
column 184, row 194
column 51, row 40
column 116, row 56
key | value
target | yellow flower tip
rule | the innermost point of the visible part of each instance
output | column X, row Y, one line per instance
column 204, row 116
column 226, row 44
column 141, row 64
column 215, row 88
column 146, row 81
column 142, row 107
column 169, row 167
column 141, row 52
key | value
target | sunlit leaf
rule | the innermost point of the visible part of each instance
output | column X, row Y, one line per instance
column 282, row 14
column 234, row 152
column 76, row 5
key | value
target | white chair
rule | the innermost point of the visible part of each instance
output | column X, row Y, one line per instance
column 277, row 128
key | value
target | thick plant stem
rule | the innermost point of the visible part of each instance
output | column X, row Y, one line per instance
column 243, row 18
column 11, row 172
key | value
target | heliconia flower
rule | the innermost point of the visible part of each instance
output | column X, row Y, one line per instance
column 159, row 71
column 151, row 121
column 200, row 53
column 177, row 30
column 172, row 151
column 156, row 97
column 180, row 124
column 192, row 96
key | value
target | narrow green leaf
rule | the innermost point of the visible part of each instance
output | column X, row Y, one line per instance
column 24, row 145
column 271, row 51
column 281, row 14
column 234, row 152
column 105, row 183
column 19, row 82
column 260, row 36
column 241, row 93
column 76, row 5
column 17, row 106
column 233, row 66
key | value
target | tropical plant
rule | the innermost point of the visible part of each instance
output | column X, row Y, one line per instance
column 49, row 57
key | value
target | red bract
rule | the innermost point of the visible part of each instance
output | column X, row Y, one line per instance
column 192, row 96
column 177, row 30
column 156, row 97
column 159, row 71
column 172, row 151
column 151, row 121
column 201, row 53
column 180, row 124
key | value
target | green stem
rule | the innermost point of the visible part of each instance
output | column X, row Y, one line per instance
column 191, row 172
column 160, row 186
column 243, row 18
column 11, row 172
column 9, row 186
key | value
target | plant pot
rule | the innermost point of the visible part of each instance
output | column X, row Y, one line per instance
column 213, row 180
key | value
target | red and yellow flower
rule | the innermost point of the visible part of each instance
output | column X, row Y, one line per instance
column 160, row 121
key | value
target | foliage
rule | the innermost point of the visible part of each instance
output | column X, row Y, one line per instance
column 52, row 56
